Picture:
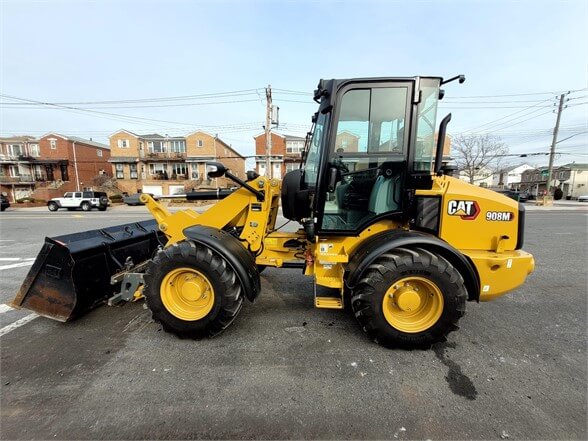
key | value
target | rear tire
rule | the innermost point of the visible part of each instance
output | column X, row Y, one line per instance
column 52, row 206
column 86, row 206
column 409, row 298
column 185, row 311
column 101, row 208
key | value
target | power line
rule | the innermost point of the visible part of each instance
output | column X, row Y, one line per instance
column 153, row 106
column 488, row 107
column 491, row 123
column 520, row 94
column 171, row 98
column 121, row 117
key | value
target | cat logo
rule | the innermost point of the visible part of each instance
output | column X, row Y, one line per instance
column 467, row 210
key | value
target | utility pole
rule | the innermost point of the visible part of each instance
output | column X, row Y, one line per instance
column 268, row 131
column 554, row 141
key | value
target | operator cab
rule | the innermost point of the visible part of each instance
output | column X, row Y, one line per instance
column 372, row 144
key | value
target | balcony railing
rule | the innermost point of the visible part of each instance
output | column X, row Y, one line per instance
column 16, row 179
column 166, row 155
column 168, row 177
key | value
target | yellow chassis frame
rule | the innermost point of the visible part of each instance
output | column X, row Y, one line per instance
column 499, row 271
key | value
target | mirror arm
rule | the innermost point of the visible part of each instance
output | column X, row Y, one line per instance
column 259, row 194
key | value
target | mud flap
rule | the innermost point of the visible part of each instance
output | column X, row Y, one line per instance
column 72, row 273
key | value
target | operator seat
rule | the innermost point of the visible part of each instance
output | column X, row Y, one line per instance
column 384, row 195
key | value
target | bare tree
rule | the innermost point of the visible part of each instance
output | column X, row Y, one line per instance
column 475, row 153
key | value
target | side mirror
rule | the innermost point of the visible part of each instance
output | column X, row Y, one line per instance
column 215, row 169
column 333, row 177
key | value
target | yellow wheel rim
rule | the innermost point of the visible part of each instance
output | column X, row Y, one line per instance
column 187, row 294
column 413, row 304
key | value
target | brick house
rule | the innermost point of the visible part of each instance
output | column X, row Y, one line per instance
column 286, row 153
column 571, row 178
column 166, row 165
column 509, row 177
column 49, row 166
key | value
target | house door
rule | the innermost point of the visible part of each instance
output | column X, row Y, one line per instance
column 64, row 174
column 49, row 172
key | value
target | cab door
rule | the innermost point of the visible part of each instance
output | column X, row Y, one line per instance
column 367, row 156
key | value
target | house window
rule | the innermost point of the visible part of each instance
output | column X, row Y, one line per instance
column 200, row 143
column 290, row 166
column 178, row 146
column 99, row 152
column 53, row 144
column 120, row 174
column 155, row 147
column 195, row 173
column 38, row 171
column 180, row 169
column 123, row 143
column 133, row 169
column 16, row 149
column 294, row 146
column 14, row 171
column 34, row 149
column 156, row 169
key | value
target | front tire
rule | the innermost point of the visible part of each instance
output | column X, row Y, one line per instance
column 192, row 291
column 409, row 298
column 52, row 206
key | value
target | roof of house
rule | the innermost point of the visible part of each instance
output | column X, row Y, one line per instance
column 89, row 142
column 576, row 166
column 512, row 167
column 273, row 133
column 125, row 131
column 78, row 139
column 294, row 138
column 21, row 138
column 219, row 140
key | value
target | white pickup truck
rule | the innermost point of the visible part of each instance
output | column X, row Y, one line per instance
column 86, row 200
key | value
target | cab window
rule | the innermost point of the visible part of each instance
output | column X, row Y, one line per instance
column 78, row 195
column 68, row 195
column 369, row 156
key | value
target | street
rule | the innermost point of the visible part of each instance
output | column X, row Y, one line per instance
column 516, row 369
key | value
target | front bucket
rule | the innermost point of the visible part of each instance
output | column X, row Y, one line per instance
column 71, row 274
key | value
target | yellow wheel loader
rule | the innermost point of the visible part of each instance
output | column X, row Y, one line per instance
column 397, row 240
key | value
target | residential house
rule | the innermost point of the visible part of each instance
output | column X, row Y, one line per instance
column 482, row 177
column 571, row 178
column 286, row 153
column 166, row 165
column 509, row 177
column 49, row 166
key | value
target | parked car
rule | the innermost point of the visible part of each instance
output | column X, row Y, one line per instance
column 133, row 199
column 516, row 195
column 86, row 200
column 4, row 204
column 583, row 198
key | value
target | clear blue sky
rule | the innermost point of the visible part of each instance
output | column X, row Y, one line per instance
column 79, row 51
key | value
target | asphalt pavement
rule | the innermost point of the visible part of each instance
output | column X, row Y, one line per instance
column 516, row 369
